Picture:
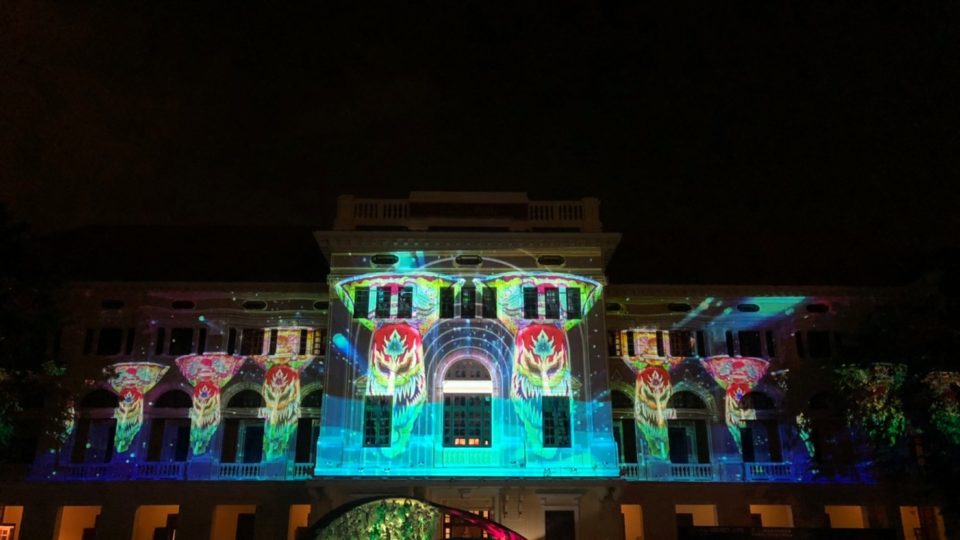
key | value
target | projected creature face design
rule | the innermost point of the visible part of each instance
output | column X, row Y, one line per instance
column 130, row 381
column 207, row 373
column 738, row 376
column 652, row 389
column 541, row 367
column 281, row 388
column 396, row 369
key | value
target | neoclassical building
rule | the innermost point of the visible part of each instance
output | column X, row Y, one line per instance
column 464, row 349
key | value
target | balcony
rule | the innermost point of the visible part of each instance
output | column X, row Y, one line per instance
column 172, row 470
column 709, row 472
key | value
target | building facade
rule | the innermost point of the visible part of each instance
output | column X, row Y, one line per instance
column 465, row 349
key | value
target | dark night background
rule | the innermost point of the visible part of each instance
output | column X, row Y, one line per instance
column 769, row 143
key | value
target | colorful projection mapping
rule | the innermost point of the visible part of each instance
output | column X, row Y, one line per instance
column 527, row 330
column 875, row 399
column 738, row 376
column 652, row 388
column 281, row 386
column 130, row 381
column 207, row 373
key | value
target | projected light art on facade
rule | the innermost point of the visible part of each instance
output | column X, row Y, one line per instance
column 876, row 405
column 130, row 381
column 945, row 405
column 737, row 376
column 652, row 388
column 207, row 373
column 288, row 352
column 394, row 345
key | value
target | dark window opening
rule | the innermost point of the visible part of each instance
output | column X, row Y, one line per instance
column 384, row 296
column 818, row 343
column 173, row 399
column 551, row 302
column 446, row 303
column 631, row 345
column 202, row 341
column 729, row 335
column 377, row 420
column 302, row 346
column 131, row 335
column 661, row 349
column 681, row 343
column 109, row 341
column 99, row 399
column 757, row 401
column 308, row 431
column 702, row 344
column 232, row 341
column 274, row 336
column 686, row 400
column 161, row 340
column 619, row 400
column 468, row 302
column 405, row 303
column 245, row 399
column 530, row 303
column 750, row 343
column 489, row 303
column 574, row 306
column 556, row 421
column 361, row 303
column 251, row 341
column 181, row 341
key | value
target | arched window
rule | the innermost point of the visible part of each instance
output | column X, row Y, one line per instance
column 467, row 404
column 245, row 399
column 99, row 399
column 686, row 400
column 173, row 399
column 242, row 431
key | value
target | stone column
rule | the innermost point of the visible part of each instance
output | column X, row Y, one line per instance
column 40, row 521
column 116, row 520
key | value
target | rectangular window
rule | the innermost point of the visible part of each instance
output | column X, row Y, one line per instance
column 232, row 341
column 251, row 341
column 161, row 340
column 631, row 344
column 702, row 344
column 681, row 343
column 489, row 303
column 202, row 341
column 131, row 335
column 771, row 345
column 574, row 307
column 556, row 421
column 88, row 341
column 818, row 343
column 761, row 441
column 468, row 303
column 730, row 350
column 302, row 348
column 613, row 343
column 377, row 420
column 405, row 303
column 274, row 335
column 383, row 302
column 320, row 342
column 109, row 341
column 308, row 430
column 466, row 420
column 529, row 302
column 181, row 341
column 750, row 343
column 551, row 297
column 361, row 303
column 446, row 302
column 661, row 350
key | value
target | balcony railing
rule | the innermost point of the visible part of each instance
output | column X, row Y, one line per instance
column 698, row 472
column 768, row 472
column 167, row 470
column 300, row 470
column 240, row 471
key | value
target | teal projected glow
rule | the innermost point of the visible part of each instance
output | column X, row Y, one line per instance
column 465, row 392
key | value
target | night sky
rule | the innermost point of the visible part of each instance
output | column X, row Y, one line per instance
column 769, row 143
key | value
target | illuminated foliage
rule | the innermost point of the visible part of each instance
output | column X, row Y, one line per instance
column 385, row 519
column 130, row 381
column 875, row 403
column 945, row 403
column 738, row 376
column 207, row 373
